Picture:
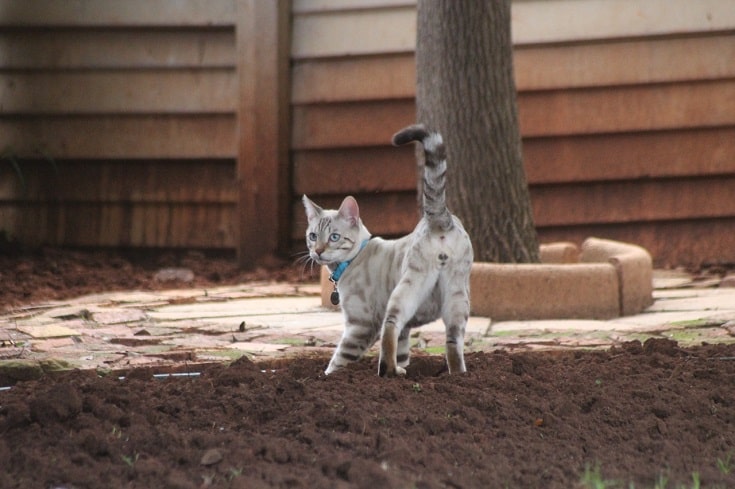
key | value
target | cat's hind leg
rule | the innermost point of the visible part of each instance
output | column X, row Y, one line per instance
column 455, row 313
column 357, row 338
column 413, row 288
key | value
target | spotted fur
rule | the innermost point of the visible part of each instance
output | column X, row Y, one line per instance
column 391, row 286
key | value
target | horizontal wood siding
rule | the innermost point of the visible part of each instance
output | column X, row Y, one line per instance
column 627, row 112
column 121, row 116
column 148, row 203
column 113, row 13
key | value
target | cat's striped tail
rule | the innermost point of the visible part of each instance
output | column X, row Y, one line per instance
column 435, row 170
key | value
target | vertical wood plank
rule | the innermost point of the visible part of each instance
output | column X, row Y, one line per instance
column 263, row 33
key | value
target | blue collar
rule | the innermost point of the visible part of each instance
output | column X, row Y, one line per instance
column 337, row 273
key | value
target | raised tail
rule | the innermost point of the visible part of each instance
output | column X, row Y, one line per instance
column 435, row 172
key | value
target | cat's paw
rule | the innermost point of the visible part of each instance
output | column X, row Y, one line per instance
column 385, row 371
column 331, row 368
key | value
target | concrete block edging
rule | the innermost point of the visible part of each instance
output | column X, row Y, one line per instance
column 602, row 280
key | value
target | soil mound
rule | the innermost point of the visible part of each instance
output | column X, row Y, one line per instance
column 639, row 412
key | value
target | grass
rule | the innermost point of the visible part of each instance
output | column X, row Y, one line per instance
column 592, row 478
column 130, row 459
column 290, row 341
column 698, row 323
column 685, row 336
column 725, row 466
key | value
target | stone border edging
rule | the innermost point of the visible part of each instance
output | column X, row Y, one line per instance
column 606, row 279
column 634, row 267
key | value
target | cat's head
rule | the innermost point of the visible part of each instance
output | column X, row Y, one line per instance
column 334, row 236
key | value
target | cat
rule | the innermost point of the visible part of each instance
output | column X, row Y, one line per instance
column 387, row 287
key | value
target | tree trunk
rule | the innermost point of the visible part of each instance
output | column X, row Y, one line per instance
column 466, row 90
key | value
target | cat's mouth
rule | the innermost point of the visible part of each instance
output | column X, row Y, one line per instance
column 319, row 260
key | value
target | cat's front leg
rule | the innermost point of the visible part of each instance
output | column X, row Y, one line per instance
column 334, row 364
column 357, row 338
column 404, row 347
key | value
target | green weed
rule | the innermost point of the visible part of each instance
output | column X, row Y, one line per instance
column 695, row 481
column 725, row 465
column 290, row 341
column 592, row 478
column 661, row 482
column 130, row 460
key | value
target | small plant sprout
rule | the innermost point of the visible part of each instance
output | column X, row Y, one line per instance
column 130, row 459
column 725, row 465
column 696, row 484
column 661, row 482
column 592, row 478
column 234, row 473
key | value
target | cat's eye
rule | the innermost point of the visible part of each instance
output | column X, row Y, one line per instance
column 312, row 236
column 334, row 237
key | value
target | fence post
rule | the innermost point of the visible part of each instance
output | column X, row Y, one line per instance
column 263, row 167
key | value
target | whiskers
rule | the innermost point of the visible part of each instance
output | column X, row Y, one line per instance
column 307, row 264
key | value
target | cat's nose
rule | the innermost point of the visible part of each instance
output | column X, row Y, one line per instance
column 319, row 251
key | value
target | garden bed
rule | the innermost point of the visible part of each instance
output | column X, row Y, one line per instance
column 641, row 414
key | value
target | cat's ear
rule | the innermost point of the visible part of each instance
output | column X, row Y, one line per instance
column 312, row 210
column 349, row 211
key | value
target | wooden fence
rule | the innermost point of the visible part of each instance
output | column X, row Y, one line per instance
column 178, row 123
column 627, row 112
column 121, row 117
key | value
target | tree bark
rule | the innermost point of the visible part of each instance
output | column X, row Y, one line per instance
column 466, row 90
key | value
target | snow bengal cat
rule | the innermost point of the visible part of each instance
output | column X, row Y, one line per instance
column 387, row 287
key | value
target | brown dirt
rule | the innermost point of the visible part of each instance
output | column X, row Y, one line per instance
column 36, row 275
column 643, row 412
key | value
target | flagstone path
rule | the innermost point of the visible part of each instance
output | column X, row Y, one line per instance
column 120, row 330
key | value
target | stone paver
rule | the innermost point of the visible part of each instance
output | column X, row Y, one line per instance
column 116, row 331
